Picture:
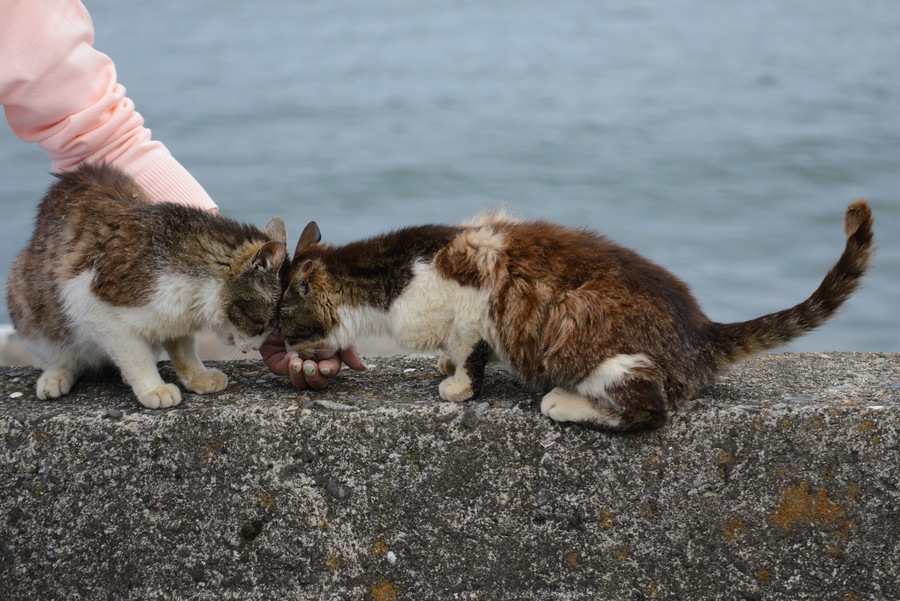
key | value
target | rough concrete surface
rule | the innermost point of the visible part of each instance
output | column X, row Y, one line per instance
column 781, row 482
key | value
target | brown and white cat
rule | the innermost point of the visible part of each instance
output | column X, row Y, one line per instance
column 107, row 275
column 615, row 338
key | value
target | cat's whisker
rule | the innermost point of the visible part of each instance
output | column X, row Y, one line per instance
column 234, row 354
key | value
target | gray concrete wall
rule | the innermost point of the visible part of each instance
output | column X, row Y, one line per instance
column 781, row 482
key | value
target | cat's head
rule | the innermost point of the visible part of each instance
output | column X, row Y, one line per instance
column 308, row 312
column 252, row 290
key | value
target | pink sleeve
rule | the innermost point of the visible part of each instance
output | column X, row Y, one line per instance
column 61, row 93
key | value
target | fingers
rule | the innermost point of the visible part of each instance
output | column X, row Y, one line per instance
column 275, row 356
column 303, row 374
column 314, row 375
column 351, row 357
column 300, row 370
column 306, row 374
column 328, row 368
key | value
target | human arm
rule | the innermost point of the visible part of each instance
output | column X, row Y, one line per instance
column 61, row 93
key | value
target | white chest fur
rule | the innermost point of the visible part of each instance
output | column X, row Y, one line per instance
column 428, row 315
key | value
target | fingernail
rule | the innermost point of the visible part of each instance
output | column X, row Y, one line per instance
column 296, row 367
column 309, row 369
column 325, row 371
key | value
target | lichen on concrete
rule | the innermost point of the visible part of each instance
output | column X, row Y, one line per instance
column 780, row 482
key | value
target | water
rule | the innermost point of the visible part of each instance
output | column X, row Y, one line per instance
column 722, row 140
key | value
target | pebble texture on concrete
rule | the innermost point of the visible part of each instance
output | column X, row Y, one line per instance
column 781, row 482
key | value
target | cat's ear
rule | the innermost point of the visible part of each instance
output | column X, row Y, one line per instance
column 270, row 256
column 301, row 276
column 276, row 230
column 305, row 270
column 310, row 237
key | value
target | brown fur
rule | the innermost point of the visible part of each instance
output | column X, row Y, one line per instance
column 96, row 220
column 370, row 272
column 567, row 309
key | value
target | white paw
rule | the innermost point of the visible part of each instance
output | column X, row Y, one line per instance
column 211, row 380
column 452, row 389
column 548, row 406
column 445, row 365
column 164, row 396
column 562, row 406
column 54, row 383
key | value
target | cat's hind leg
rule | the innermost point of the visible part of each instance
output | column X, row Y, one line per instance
column 641, row 402
column 61, row 366
column 621, row 393
column 562, row 406
column 190, row 369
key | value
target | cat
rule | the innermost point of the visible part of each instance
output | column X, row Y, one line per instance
column 616, row 339
column 109, row 276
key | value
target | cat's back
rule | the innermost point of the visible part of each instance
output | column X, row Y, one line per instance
column 85, row 206
column 91, row 190
column 494, row 249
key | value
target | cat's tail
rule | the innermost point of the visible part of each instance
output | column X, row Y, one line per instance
column 735, row 341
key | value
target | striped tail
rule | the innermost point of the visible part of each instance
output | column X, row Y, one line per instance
column 735, row 341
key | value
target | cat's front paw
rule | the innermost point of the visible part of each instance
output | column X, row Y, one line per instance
column 210, row 380
column 164, row 396
column 455, row 390
column 446, row 365
column 54, row 383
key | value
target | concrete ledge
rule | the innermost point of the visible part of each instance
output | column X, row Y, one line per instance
column 780, row 483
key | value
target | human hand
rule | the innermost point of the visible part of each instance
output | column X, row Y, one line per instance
column 308, row 373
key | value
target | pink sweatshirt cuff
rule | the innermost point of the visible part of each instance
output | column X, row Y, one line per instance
column 60, row 92
column 165, row 180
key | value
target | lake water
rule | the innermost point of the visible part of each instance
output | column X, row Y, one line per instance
column 721, row 139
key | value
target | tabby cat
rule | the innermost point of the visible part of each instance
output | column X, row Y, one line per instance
column 613, row 337
column 110, row 276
